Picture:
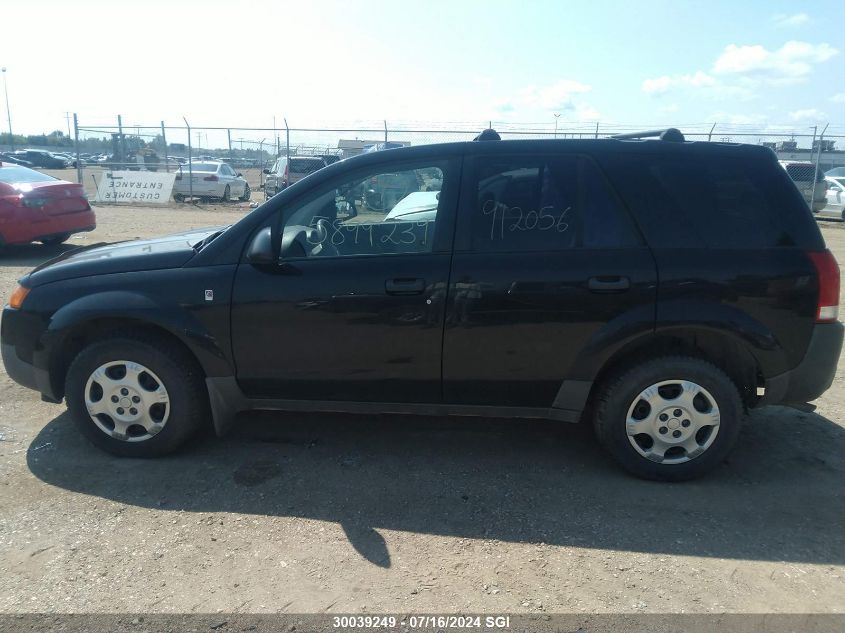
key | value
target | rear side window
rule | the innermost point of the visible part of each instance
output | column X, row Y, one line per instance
column 545, row 203
column 715, row 201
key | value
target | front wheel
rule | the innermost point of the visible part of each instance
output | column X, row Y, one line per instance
column 247, row 193
column 227, row 194
column 670, row 418
column 136, row 397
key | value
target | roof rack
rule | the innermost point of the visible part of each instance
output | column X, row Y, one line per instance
column 669, row 134
column 488, row 135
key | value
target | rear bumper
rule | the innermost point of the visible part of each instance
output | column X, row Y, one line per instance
column 23, row 231
column 814, row 374
column 199, row 189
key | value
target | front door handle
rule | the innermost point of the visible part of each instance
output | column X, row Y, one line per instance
column 404, row 286
column 609, row 283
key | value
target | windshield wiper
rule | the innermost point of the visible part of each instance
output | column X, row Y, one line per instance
column 208, row 239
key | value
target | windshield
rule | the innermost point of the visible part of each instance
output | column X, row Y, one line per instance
column 15, row 174
column 303, row 166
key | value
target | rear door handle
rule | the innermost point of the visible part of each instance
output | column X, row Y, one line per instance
column 404, row 286
column 609, row 283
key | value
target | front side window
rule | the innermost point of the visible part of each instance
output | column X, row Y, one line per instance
column 545, row 203
column 381, row 213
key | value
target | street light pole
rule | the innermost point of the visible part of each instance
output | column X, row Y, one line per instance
column 8, row 112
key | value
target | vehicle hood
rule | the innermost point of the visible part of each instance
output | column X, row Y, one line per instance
column 171, row 251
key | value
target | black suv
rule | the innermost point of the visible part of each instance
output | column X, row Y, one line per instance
column 658, row 289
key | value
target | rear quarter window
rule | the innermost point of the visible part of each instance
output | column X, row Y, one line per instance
column 713, row 201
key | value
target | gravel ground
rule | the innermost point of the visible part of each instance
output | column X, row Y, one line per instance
column 326, row 513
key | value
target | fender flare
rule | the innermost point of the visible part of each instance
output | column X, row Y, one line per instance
column 619, row 338
column 138, row 308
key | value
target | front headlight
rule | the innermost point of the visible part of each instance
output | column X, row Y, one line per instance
column 16, row 300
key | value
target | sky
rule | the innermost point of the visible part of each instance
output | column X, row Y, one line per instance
column 326, row 63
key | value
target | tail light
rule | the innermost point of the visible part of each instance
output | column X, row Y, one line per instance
column 827, row 270
column 212, row 178
column 34, row 202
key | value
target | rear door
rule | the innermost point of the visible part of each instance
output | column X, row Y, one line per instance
column 547, row 264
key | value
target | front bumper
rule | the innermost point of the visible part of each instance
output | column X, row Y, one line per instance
column 814, row 374
column 24, row 373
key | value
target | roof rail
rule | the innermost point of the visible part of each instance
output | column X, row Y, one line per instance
column 669, row 134
column 488, row 135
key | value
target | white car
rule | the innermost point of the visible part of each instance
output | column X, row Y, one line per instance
column 836, row 195
column 210, row 179
column 420, row 206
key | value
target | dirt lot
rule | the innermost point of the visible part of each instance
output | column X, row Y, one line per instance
column 312, row 513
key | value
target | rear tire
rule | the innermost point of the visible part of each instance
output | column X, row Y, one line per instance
column 56, row 239
column 227, row 194
column 161, row 383
column 671, row 418
column 178, row 197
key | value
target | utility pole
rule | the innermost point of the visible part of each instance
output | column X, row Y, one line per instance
column 8, row 113
column 67, row 118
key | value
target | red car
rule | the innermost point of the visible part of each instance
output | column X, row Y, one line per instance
column 35, row 207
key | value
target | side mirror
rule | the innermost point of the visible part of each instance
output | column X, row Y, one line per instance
column 240, row 175
column 260, row 250
column 265, row 170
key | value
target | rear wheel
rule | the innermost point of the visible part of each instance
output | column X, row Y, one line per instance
column 247, row 193
column 670, row 418
column 55, row 239
column 136, row 397
column 178, row 197
column 227, row 194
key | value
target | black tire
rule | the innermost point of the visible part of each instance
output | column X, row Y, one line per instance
column 177, row 370
column 617, row 395
column 227, row 194
column 55, row 240
column 247, row 194
column 178, row 197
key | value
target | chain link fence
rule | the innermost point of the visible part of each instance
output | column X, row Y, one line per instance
column 811, row 155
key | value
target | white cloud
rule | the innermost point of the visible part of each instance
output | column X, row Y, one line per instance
column 557, row 96
column 791, row 62
column 784, row 20
column 809, row 114
column 659, row 85
column 838, row 97
column 699, row 81
column 563, row 97
column 740, row 70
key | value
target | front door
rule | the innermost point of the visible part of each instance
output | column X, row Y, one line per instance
column 355, row 309
column 547, row 263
